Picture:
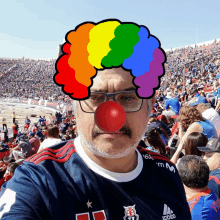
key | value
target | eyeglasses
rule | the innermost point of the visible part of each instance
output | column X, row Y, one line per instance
column 127, row 99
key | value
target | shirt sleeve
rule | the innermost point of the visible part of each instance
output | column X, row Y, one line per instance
column 20, row 198
column 209, row 213
column 212, row 185
column 167, row 105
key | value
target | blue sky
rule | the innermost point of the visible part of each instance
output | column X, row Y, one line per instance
column 35, row 28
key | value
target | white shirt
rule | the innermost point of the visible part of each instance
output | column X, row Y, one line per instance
column 49, row 142
column 212, row 116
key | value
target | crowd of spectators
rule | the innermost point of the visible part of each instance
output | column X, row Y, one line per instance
column 27, row 78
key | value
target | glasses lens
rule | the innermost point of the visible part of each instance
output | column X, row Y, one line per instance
column 91, row 104
column 129, row 101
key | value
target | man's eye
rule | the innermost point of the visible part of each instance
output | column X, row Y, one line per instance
column 128, row 98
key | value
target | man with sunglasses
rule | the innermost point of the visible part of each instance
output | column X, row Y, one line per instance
column 100, row 175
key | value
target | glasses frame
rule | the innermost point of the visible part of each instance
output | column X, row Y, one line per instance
column 109, row 95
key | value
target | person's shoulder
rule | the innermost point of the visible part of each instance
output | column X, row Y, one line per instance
column 59, row 153
column 148, row 154
column 211, row 200
column 215, row 175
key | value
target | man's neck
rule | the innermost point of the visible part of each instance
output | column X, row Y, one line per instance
column 120, row 165
column 192, row 192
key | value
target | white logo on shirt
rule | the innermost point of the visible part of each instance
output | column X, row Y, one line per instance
column 168, row 213
column 171, row 168
column 147, row 157
column 6, row 201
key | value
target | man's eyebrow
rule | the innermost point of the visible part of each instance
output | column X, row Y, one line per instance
column 120, row 90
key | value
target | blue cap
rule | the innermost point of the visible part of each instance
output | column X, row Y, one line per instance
column 31, row 134
column 200, row 99
column 218, row 75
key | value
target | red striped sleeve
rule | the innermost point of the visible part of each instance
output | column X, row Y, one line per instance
column 154, row 155
column 59, row 155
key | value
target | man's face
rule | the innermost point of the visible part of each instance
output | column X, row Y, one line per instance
column 200, row 108
column 199, row 91
column 207, row 156
column 93, row 138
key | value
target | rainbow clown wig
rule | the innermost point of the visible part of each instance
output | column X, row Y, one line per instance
column 107, row 44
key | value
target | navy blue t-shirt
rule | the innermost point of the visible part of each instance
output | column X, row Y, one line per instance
column 58, row 184
column 214, row 181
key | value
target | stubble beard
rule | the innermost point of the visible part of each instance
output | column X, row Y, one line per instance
column 112, row 152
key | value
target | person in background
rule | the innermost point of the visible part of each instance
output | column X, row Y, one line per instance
column 209, row 114
column 154, row 140
column 172, row 106
column 203, row 203
column 51, row 118
column 154, row 122
column 191, row 120
column 13, row 117
column 211, row 154
column 35, row 128
column 52, row 137
column 5, row 132
column 9, row 172
column 3, row 147
column 19, row 135
column 189, row 146
column 23, row 150
column 27, row 123
column 40, row 120
column 15, row 130
column 34, row 141
column 4, row 125
column 44, row 121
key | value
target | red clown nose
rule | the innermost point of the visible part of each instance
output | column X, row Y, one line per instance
column 110, row 116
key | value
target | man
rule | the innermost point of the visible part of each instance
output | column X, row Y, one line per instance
column 4, row 125
column 23, row 150
column 13, row 117
column 210, row 114
column 52, row 137
column 40, row 120
column 211, row 154
column 203, row 203
column 101, row 174
column 173, row 104
column 27, row 123
column 5, row 132
column 15, row 130
column 34, row 141
column 44, row 121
